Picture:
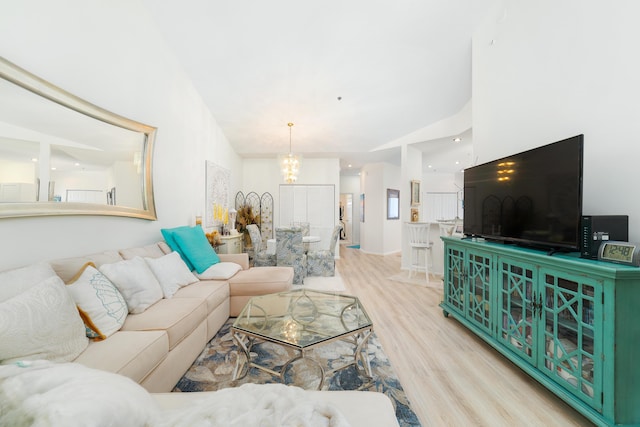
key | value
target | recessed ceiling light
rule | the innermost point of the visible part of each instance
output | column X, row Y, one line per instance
column 76, row 164
column 457, row 162
column 34, row 160
column 457, row 139
column 53, row 168
column 349, row 165
column 429, row 166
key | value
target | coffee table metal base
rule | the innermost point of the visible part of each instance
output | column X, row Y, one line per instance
column 360, row 361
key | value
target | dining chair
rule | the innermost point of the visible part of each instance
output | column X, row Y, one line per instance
column 261, row 258
column 305, row 226
column 290, row 251
column 323, row 262
column 419, row 241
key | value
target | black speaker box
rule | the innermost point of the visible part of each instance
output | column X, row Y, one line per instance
column 598, row 228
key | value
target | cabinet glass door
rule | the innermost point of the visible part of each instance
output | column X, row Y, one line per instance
column 572, row 318
column 454, row 280
column 479, row 298
column 517, row 307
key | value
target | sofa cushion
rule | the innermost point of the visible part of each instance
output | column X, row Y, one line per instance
column 177, row 316
column 171, row 272
column 149, row 251
column 101, row 306
column 41, row 323
column 261, row 280
column 213, row 292
column 135, row 281
column 167, row 234
column 194, row 244
column 220, row 271
column 16, row 281
column 131, row 353
column 66, row 268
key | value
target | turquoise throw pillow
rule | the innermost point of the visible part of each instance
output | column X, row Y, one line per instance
column 167, row 233
column 196, row 247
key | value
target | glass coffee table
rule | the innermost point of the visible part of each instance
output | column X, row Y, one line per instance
column 302, row 320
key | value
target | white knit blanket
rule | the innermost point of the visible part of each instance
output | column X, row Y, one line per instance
column 253, row 405
column 43, row 394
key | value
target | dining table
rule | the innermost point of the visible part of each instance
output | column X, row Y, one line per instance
column 306, row 241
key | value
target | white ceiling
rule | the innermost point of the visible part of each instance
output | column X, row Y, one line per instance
column 352, row 75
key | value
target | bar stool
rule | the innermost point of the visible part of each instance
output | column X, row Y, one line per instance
column 419, row 241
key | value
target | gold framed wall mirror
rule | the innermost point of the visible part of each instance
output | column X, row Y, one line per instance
column 61, row 155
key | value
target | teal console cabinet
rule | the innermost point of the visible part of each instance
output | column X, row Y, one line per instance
column 572, row 324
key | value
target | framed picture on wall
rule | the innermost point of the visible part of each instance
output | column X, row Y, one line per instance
column 393, row 204
column 415, row 215
column 415, row 193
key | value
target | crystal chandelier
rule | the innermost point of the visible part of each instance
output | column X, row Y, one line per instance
column 290, row 163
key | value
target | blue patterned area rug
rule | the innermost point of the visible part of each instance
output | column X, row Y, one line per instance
column 213, row 370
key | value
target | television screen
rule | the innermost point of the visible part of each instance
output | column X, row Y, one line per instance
column 532, row 198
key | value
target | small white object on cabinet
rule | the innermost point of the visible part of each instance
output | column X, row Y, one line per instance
column 232, row 244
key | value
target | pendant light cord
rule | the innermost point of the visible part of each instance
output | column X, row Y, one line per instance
column 290, row 126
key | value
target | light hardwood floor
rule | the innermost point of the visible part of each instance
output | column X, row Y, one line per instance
column 451, row 377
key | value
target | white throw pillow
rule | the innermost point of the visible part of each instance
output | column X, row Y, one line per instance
column 40, row 393
column 171, row 272
column 14, row 282
column 135, row 281
column 101, row 305
column 220, row 271
column 41, row 323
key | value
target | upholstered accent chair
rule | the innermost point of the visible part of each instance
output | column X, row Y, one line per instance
column 322, row 262
column 290, row 252
column 261, row 258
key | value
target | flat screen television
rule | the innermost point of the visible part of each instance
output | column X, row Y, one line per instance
column 533, row 198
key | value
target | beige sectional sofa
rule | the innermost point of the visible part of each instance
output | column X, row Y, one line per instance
column 156, row 347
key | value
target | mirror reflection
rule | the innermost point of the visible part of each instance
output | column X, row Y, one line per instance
column 68, row 156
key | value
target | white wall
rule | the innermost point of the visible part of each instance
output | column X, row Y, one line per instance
column 439, row 182
column 350, row 184
column 558, row 69
column 411, row 160
column 110, row 54
column 378, row 235
column 392, row 228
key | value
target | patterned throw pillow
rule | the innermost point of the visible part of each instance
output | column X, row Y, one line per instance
column 41, row 323
column 101, row 306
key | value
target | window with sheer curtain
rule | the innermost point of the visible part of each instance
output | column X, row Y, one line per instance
column 314, row 204
column 441, row 206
